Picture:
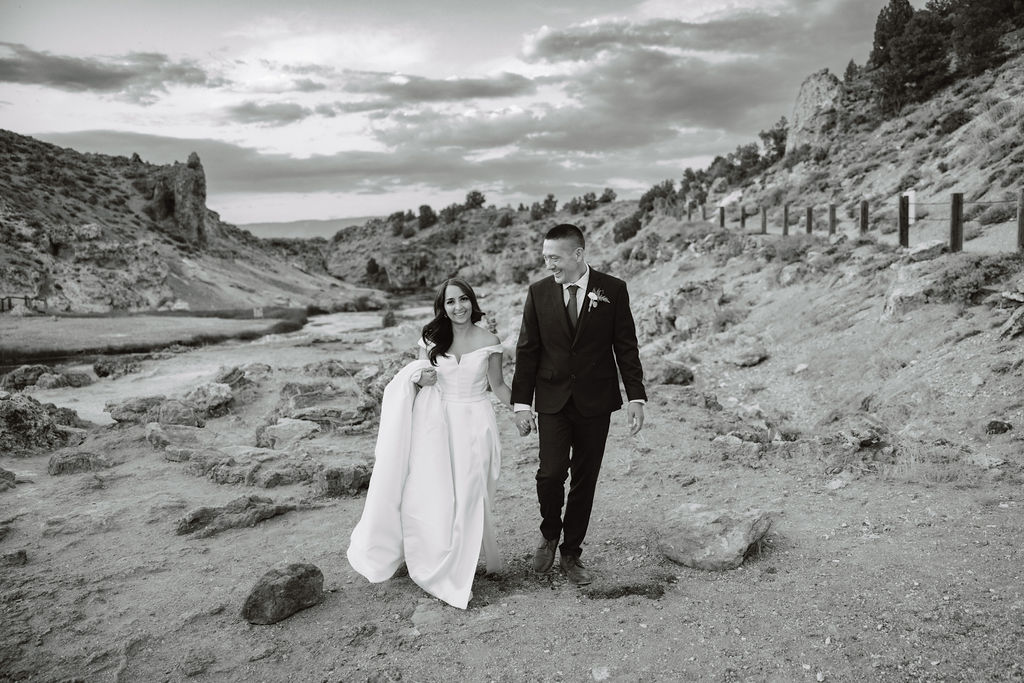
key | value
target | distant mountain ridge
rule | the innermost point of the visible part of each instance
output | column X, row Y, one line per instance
column 305, row 229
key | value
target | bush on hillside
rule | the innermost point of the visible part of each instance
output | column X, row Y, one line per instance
column 967, row 278
column 626, row 228
column 998, row 213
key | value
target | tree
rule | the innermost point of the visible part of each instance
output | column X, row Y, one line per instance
column 626, row 228
column 978, row 26
column 918, row 63
column 475, row 199
column 536, row 211
column 851, row 73
column 550, row 204
column 664, row 189
column 890, row 23
column 607, row 196
column 450, row 213
column 774, row 141
column 427, row 217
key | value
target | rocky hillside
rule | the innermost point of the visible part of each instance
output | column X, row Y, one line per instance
column 90, row 232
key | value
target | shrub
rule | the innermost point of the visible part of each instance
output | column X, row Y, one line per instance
column 965, row 279
column 952, row 121
column 998, row 213
column 505, row 219
column 388, row 319
column 607, row 196
column 626, row 228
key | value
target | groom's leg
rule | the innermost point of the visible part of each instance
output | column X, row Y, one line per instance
column 555, row 432
column 589, row 435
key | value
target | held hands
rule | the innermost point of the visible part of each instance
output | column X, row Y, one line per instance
column 635, row 416
column 428, row 376
column 524, row 421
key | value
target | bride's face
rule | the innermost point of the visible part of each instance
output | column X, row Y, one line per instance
column 457, row 305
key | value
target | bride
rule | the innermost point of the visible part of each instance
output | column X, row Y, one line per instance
column 437, row 458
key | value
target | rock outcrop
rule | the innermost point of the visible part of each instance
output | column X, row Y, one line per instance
column 815, row 112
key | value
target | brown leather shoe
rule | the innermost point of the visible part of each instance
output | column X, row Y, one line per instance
column 574, row 570
column 544, row 558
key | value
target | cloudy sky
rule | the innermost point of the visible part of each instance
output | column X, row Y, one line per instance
column 328, row 109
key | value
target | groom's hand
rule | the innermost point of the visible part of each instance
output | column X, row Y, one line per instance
column 635, row 415
column 524, row 421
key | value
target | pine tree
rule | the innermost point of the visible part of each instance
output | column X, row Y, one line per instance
column 890, row 23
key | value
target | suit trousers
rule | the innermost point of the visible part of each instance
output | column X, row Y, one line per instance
column 569, row 443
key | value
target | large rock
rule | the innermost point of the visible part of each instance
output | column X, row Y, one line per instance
column 1014, row 325
column 116, row 366
column 343, row 480
column 281, row 592
column 211, row 399
column 24, row 376
column 928, row 250
column 748, row 351
column 246, row 511
column 815, row 112
column 6, row 480
column 285, row 433
column 73, row 462
column 26, row 427
column 133, row 410
column 909, row 290
column 703, row 537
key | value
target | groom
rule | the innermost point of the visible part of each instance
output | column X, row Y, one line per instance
column 577, row 331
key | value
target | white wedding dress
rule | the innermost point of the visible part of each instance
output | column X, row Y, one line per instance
column 437, row 463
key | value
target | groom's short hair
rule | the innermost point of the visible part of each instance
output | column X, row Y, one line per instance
column 566, row 231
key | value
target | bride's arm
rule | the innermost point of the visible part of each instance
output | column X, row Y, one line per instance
column 497, row 380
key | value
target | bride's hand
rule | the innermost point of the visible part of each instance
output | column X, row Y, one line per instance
column 428, row 376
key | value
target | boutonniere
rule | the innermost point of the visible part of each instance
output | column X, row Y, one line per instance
column 595, row 297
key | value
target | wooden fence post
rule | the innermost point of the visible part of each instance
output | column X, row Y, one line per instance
column 743, row 217
column 810, row 219
column 863, row 216
column 1020, row 222
column 831, row 219
column 904, row 220
column 764, row 220
column 785, row 219
column 703, row 212
column 689, row 212
column 721, row 216
column 956, row 222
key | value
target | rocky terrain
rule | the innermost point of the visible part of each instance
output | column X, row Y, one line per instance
column 827, row 487
column 94, row 233
column 866, row 468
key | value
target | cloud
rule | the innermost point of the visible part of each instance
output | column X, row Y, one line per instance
column 136, row 76
column 272, row 114
column 405, row 89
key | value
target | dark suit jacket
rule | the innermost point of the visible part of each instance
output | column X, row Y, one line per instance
column 553, row 364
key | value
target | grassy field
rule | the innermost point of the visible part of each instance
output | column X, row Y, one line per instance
column 54, row 338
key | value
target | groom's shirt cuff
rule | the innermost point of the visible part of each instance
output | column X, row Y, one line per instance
column 516, row 407
column 641, row 401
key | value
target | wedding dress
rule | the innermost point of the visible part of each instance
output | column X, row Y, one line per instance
column 437, row 463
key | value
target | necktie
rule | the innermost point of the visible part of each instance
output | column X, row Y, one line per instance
column 571, row 306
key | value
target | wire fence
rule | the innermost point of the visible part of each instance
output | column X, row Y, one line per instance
column 908, row 212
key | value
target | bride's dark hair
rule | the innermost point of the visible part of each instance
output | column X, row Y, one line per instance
column 439, row 330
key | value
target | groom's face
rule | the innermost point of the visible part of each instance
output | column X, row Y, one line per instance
column 564, row 259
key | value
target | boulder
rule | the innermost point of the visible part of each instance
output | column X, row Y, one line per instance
column 246, row 511
column 282, row 591
column 670, row 373
column 71, row 462
column 26, row 427
column 1014, row 325
column 134, row 410
column 175, row 412
column 6, row 480
column 24, row 376
column 285, row 433
column 909, row 290
column 115, row 367
column 748, row 351
column 211, row 399
column 928, row 250
column 998, row 427
column 344, row 480
column 703, row 537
